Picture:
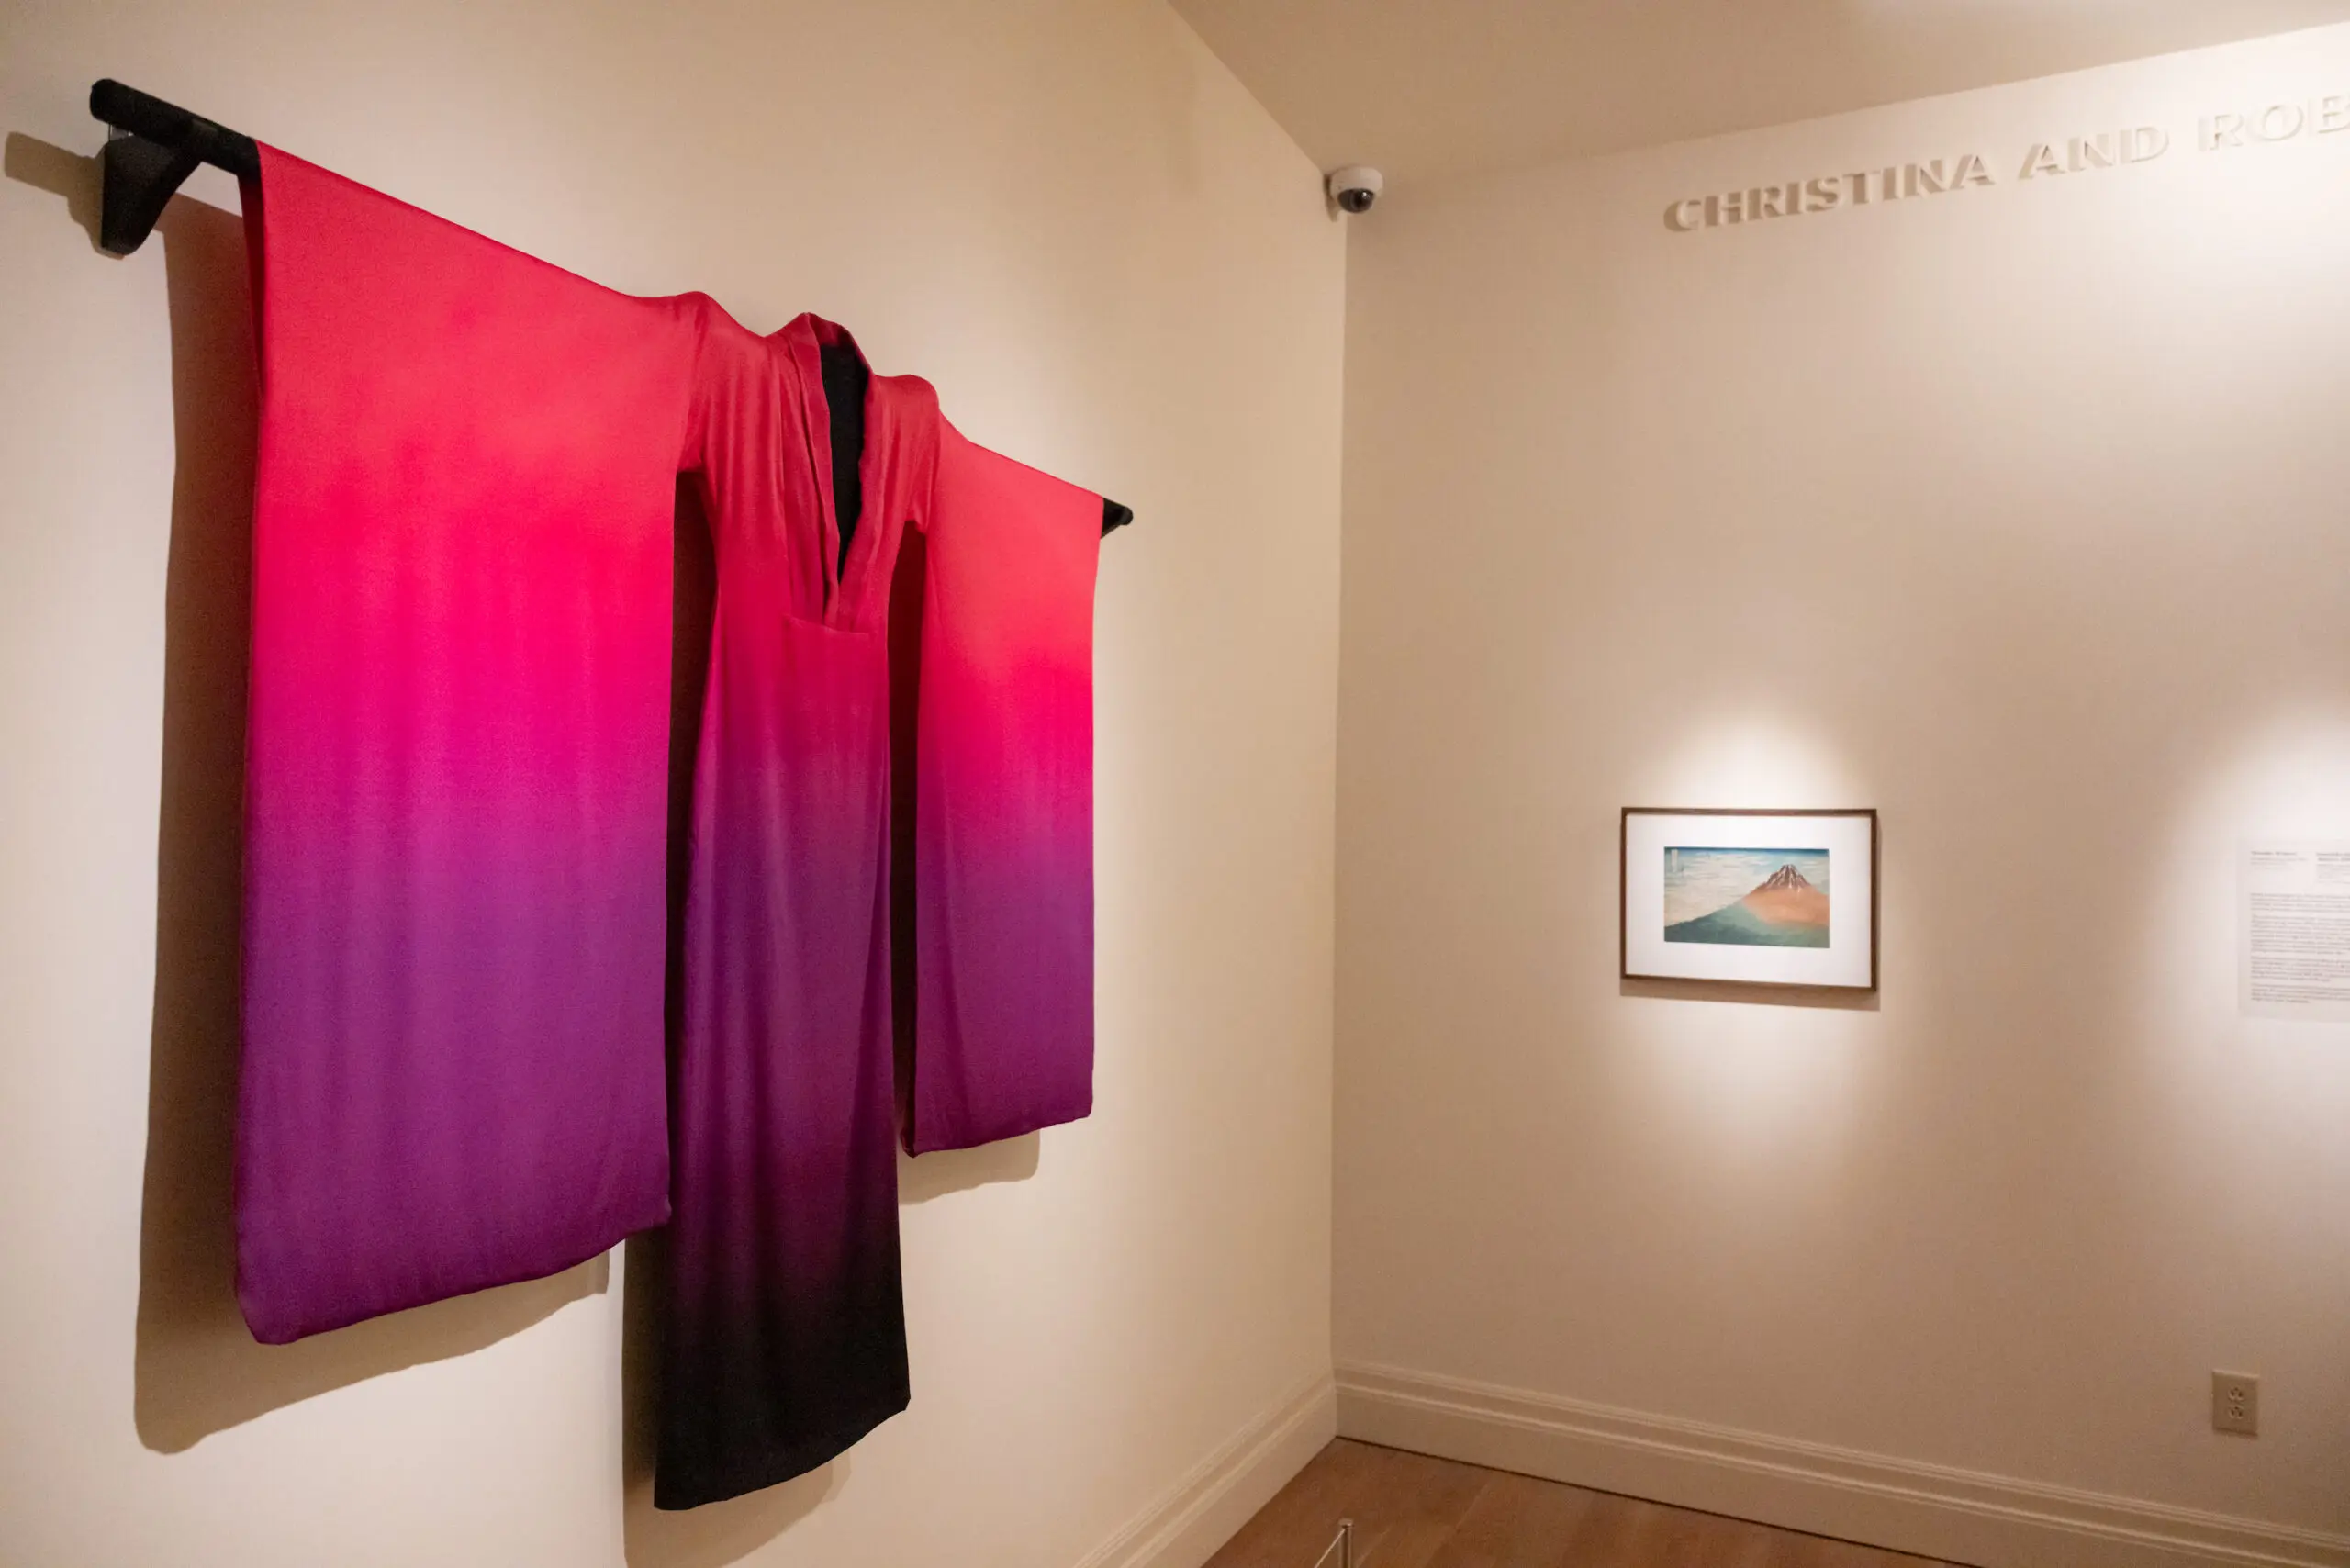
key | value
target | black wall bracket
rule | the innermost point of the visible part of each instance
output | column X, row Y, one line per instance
column 156, row 146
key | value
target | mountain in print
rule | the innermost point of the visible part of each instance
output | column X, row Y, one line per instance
column 1785, row 911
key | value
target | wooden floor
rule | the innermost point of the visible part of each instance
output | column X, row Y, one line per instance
column 1411, row 1511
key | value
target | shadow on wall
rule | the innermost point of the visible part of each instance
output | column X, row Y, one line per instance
column 1832, row 997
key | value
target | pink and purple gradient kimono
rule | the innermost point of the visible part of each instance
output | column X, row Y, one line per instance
column 456, row 897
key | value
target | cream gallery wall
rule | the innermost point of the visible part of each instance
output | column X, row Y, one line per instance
column 1112, row 263
column 2013, row 511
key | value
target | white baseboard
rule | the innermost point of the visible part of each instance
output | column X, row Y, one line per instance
column 1204, row 1510
column 1933, row 1511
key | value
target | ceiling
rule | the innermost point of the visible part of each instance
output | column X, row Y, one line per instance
column 1431, row 87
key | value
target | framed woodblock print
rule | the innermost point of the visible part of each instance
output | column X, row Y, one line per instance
column 1754, row 897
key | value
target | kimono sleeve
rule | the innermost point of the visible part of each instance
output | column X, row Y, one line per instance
column 996, row 797
column 456, row 772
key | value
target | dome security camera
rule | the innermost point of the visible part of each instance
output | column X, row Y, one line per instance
column 1354, row 187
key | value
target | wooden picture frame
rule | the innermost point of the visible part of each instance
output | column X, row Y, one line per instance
column 1750, row 897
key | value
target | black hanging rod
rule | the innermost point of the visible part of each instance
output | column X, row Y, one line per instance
column 161, row 145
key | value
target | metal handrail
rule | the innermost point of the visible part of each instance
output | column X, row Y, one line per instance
column 1343, row 1543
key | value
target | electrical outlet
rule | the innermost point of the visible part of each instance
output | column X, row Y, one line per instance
column 2235, row 1402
